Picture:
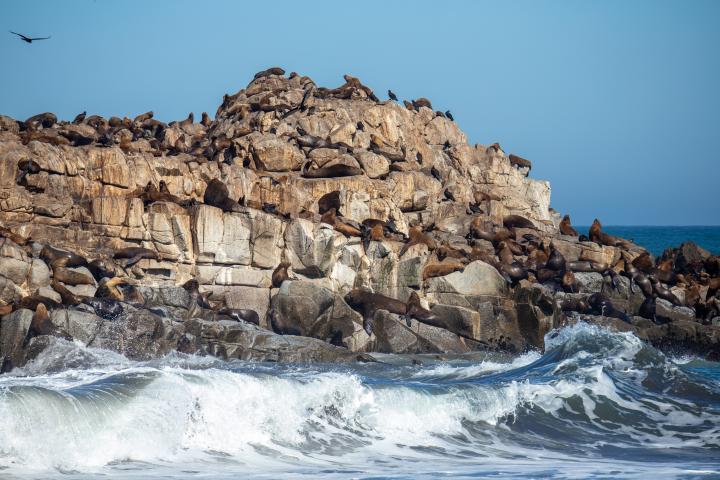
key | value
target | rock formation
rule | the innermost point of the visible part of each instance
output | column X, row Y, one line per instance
column 105, row 221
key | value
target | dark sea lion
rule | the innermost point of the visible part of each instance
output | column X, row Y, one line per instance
column 566, row 227
column 663, row 292
column 108, row 289
column 45, row 120
column 135, row 254
column 328, row 201
column 192, row 286
column 132, row 294
column 601, row 305
column 644, row 263
column 241, row 314
column 217, row 195
column 545, row 274
column 61, row 258
column 512, row 273
column 280, row 274
column 556, row 260
column 367, row 303
column 416, row 237
column 268, row 72
column 333, row 171
column 68, row 298
column 441, row 269
column 279, row 326
column 205, row 121
column 520, row 162
column 517, row 221
column 101, row 268
column 414, row 309
column 422, row 102
column 639, row 278
column 79, row 118
column 41, row 324
column 579, row 305
column 31, row 302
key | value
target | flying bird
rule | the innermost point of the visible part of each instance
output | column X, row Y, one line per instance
column 392, row 95
column 28, row 39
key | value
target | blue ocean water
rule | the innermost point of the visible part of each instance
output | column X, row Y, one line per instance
column 657, row 238
column 595, row 404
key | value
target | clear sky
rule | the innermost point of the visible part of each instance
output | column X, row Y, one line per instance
column 617, row 103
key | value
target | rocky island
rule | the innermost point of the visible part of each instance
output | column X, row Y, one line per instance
column 311, row 224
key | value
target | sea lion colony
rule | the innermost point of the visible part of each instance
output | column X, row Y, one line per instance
column 118, row 208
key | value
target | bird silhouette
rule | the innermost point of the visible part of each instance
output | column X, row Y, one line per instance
column 392, row 96
column 28, row 39
column 449, row 115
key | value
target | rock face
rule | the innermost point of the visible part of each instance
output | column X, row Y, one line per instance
column 289, row 151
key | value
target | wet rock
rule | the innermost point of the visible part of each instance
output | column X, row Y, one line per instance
column 13, row 331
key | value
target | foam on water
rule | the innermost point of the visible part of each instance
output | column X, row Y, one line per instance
column 595, row 401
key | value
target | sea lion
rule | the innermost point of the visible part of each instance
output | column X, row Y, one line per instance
column 241, row 314
column 132, row 294
column 568, row 282
column 638, row 278
column 135, row 254
column 217, row 195
column 601, row 305
column 567, row 304
column 144, row 117
column 192, row 286
column 79, row 118
column 602, row 238
column 101, row 268
column 330, row 217
column 517, row 221
column 504, row 253
column 41, row 324
column 280, row 274
column 268, row 72
column 586, row 266
column 414, row 309
column 68, row 298
column 441, row 269
column 367, row 303
column 279, row 326
column 5, row 309
column 205, row 121
column 644, row 263
column 31, row 302
column 44, row 120
column 108, row 289
column 416, row 237
column 520, row 162
column 566, row 227
column 663, row 292
column 61, row 258
column 333, row 171
column 445, row 250
column 512, row 273
column 408, row 105
column 556, row 260
column 328, row 201
column 71, row 277
column 421, row 102
column 372, row 234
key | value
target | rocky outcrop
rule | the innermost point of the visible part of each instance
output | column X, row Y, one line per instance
column 289, row 152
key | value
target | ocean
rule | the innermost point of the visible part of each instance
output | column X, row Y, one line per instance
column 594, row 404
column 657, row 239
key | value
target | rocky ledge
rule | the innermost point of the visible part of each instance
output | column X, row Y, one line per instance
column 310, row 224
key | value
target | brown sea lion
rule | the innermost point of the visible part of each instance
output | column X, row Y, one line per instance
column 598, row 236
column 280, row 274
column 31, row 302
column 600, row 304
column 13, row 237
column 573, row 305
column 143, row 117
column 41, row 324
column 644, row 263
column 586, row 266
column 45, row 120
column 71, row 277
column 372, row 234
column 108, row 289
column 445, row 250
column 566, row 227
column 408, row 105
column 328, row 201
column 279, row 326
column 415, row 237
column 414, row 309
column 135, row 254
column 217, row 195
column 333, row 171
column 330, row 217
column 441, row 269
column 6, row 309
column 61, row 258
column 568, row 282
column 517, row 221
column 520, row 162
column 367, row 303
column 504, row 253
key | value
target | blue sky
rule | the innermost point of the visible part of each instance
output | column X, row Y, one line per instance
column 617, row 103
